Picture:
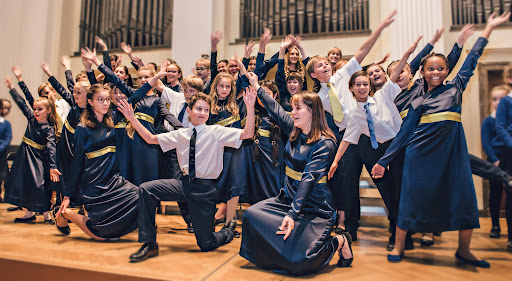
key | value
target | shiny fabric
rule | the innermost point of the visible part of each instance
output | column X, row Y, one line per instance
column 309, row 248
column 28, row 183
column 111, row 201
column 437, row 188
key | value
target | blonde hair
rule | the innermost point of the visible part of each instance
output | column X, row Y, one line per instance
column 298, row 66
column 231, row 104
column 203, row 61
column 310, row 67
column 193, row 81
column 52, row 116
column 502, row 87
column 44, row 85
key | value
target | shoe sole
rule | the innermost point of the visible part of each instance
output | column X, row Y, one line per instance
column 148, row 257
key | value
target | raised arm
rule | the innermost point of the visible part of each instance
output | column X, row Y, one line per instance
column 250, row 101
column 66, row 63
column 398, row 69
column 215, row 39
column 127, row 110
column 57, row 86
column 275, row 110
column 18, row 72
column 368, row 44
column 18, row 99
column 167, row 115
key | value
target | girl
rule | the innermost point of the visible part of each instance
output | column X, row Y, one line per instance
column 493, row 147
column 111, row 202
column 304, row 211
column 443, row 175
column 290, row 84
column 334, row 56
column 113, row 62
column 174, row 77
column 292, row 61
column 35, row 162
column 66, row 144
column 151, row 111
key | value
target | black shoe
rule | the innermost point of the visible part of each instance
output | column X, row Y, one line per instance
column 343, row 262
column 391, row 243
column 49, row 221
column 475, row 263
column 437, row 233
column 25, row 220
column 190, row 227
column 230, row 227
column 148, row 250
column 220, row 221
column 63, row 229
column 426, row 241
column 353, row 235
column 409, row 243
column 339, row 230
column 236, row 234
column 11, row 209
column 495, row 232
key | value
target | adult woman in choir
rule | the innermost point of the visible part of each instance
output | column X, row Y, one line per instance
column 111, row 201
column 291, row 233
column 437, row 188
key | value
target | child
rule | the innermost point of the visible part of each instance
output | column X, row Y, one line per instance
column 173, row 78
column 111, row 202
column 441, row 177
column 493, row 147
column 334, row 56
column 292, row 61
column 200, row 149
column 35, row 163
column 203, row 71
column 338, row 104
column 5, row 141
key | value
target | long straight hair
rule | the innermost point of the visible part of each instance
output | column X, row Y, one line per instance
column 88, row 118
column 52, row 116
column 319, row 125
column 231, row 104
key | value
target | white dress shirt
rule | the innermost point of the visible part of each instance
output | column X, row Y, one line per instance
column 62, row 107
column 340, row 81
column 175, row 102
column 385, row 116
column 210, row 143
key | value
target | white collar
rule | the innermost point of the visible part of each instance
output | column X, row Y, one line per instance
column 199, row 128
column 370, row 100
column 2, row 119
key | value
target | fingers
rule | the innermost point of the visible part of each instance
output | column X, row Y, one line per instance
column 288, row 231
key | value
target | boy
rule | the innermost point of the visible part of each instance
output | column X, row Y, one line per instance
column 200, row 151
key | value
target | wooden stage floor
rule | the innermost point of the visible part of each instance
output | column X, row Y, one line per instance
column 38, row 252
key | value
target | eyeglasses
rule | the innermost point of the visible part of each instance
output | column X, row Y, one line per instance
column 102, row 100
column 200, row 68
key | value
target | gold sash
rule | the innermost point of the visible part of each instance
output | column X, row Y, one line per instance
column 33, row 143
column 68, row 126
column 404, row 113
column 100, row 152
column 145, row 117
column 228, row 121
column 441, row 116
column 120, row 125
column 264, row 133
column 298, row 175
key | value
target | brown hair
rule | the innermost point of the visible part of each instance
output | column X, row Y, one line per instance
column 299, row 66
column 295, row 76
column 310, row 67
column 197, row 97
column 335, row 49
column 338, row 65
column 52, row 116
column 319, row 125
column 88, row 118
column 193, row 81
column 203, row 61
column 353, row 78
column 81, row 76
column 502, row 87
column 231, row 104
column 44, row 85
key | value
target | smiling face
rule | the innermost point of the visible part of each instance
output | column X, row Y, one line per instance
column 173, row 73
column 100, row 103
column 361, row 88
column 377, row 76
column 120, row 71
column 199, row 113
column 302, row 116
column 322, row 71
column 233, row 68
column 334, row 57
column 117, row 95
column 222, row 67
column 292, row 86
column 41, row 111
column 144, row 76
column 252, row 65
column 434, row 71
column 294, row 56
column 224, row 88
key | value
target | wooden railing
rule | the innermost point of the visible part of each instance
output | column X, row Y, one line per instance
column 302, row 16
column 140, row 23
column 477, row 11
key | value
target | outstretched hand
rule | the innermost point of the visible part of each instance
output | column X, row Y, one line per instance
column 249, row 48
column 88, row 54
column 253, row 80
column 18, row 72
column 465, row 33
column 126, row 48
column 437, row 36
column 494, row 21
column 250, row 97
column 389, row 19
column 414, row 45
column 215, row 39
column 265, row 36
column 54, row 175
column 286, row 227
column 46, row 69
column 66, row 62
column 127, row 110
column 8, row 82
column 101, row 43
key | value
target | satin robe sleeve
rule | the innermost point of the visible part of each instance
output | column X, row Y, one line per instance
column 127, row 90
column 213, row 65
column 51, row 147
column 415, row 63
column 453, row 57
column 139, row 94
column 25, row 109
column 70, row 83
column 167, row 115
column 61, row 90
column 108, row 63
column 263, row 67
column 92, row 78
column 317, row 166
column 26, row 92
column 276, row 111
column 410, row 123
column 467, row 69
column 77, row 163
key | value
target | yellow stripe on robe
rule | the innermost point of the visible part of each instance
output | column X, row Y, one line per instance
column 298, row 175
column 228, row 121
column 100, row 152
column 145, row 117
column 33, row 143
column 441, row 116
column 68, row 126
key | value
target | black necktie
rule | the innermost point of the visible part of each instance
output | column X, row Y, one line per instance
column 192, row 156
column 182, row 112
